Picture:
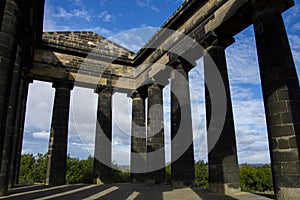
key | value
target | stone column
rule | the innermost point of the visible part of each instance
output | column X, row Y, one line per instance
column 8, row 48
column 103, row 140
column 222, row 152
column 19, row 131
column 57, row 153
column 9, row 126
column 281, row 95
column 156, row 173
column 2, row 7
column 9, row 148
column 182, row 149
column 138, row 138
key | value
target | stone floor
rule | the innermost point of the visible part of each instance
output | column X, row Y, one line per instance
column 121, row 191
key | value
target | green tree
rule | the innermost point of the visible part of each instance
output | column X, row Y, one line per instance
column 40, row 168
column 27, row 169
column 87, row 170
column 256, row 178
column 168, row 174
column 118, row 175
column 201, row 174
column 248, row 178
column 264, row 175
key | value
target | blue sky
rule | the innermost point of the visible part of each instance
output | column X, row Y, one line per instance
column 111, row 18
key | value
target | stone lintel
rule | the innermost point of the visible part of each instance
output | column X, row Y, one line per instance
column 63, row 84
column 212, row 39
column 280, row 5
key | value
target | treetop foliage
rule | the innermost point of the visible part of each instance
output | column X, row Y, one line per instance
column 33, row 170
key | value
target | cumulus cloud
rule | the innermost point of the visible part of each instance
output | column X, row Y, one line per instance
column 106, row 16
column 39, row 106
column 147, row 4
column 242, row 59
column 41, row 135
column 81, row 13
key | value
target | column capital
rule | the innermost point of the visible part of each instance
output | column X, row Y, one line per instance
column 178, row 62
column 101, row 89
column 213, row 40
column 63, row 84
column 156, row 85
column 279, row 5
column 141, row 92
column 27, row 79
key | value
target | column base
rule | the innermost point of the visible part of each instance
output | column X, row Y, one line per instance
column 223, row 188
column 98, row 181
column 154, row 182
column 179, row 184
column 150, row 182
column 285, row 193
column 3, row 186
column 138, row 180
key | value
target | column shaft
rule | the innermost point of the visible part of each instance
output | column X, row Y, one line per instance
column 2, row 6
column 9, row 125
column 57, row 153
column 281, row 94
column 12, row 111
column 103, row 147
column 8, row 50
column 19, row 131
column 182, row 149
column 155, row 137
column 138, row 140
column 222, row 152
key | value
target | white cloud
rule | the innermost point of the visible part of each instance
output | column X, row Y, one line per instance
column 106, row 16
column 292, row 15
column 296, row 27
column 252, row 145
column 147, row 4
column 41, row 135
column 62, row 13
column 242, row 59
column 76, row 2
column 81, row 13
column 39, row 106
column 133, row 39
column 101, row 31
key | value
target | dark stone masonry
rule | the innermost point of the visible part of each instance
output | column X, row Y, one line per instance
column 86, row 59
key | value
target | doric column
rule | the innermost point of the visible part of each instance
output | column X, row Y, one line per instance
column 103, row 147
column 18, row 130
column 2, row 7
column 222, row 152
column 138, row 138
column 182, row 149
column 281, row 95
column 57, row 153
column 12, row 111
column 8, row 49
column 9, row 125
column 156, row 173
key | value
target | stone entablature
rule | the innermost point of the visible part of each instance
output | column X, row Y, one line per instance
column 62, row 54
